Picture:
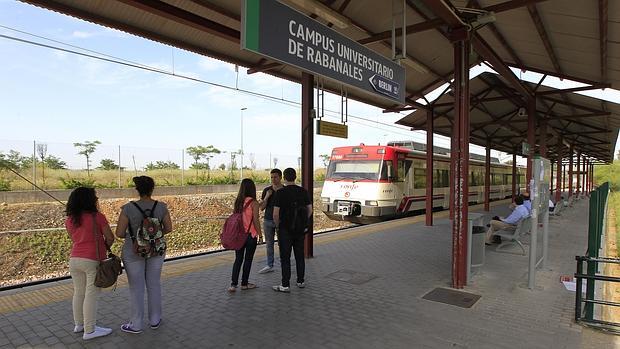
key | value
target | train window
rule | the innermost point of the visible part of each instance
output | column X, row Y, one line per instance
column 404, row 166
column 419, row 178
column 353, row 169
column 385, row 173
column 441, row 179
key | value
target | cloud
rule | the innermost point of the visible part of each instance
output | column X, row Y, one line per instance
column 82, row 34
column 211, row 64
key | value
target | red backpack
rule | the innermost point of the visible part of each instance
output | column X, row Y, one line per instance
column 234, row 235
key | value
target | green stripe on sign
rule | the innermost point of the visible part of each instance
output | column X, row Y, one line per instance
column 252, row 13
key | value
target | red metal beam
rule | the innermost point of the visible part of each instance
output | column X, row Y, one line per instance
column 259, row 68
column 217, row 9
column 429, row 167
column 173, row 13
column 602, row 20
column 578, row 116
column 578, row 106
column 554, row 74
column 307, row 147
column 461, row 185
column 574, row 89
column 485, row 50
column 487, row 176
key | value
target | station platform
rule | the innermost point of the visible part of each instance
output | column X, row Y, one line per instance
column 364, row 290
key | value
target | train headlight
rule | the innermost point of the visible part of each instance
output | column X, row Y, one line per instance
column 372, row 203
column 324, row 200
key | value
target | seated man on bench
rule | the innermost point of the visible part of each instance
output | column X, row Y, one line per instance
column 508, row 223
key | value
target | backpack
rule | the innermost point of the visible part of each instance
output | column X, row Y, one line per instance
column 234, row 235
column 298, row 216
column 149, row 240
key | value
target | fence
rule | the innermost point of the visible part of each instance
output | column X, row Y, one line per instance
column 584, row 307
column 65, row 165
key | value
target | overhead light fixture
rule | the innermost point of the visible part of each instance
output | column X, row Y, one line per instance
column 323, row 11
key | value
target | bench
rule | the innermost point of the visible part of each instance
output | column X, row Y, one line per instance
column 513, row 236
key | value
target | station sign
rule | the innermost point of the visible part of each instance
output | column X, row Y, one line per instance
column 326, row 128
column 277, row 31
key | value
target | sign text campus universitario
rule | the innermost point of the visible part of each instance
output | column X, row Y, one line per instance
column 279, row 32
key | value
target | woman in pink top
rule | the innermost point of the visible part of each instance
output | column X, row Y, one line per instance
column 246, row 203
column 86, row 227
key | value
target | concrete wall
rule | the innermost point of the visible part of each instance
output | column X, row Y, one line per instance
column 16, row 197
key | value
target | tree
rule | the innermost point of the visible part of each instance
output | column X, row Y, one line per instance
column 42, row 152
column 325, row 159
column 86, row 149
column 107, row 164
column 13, row 160
column 222, row 167
column 162, row 165
column 55, row 163
column 199, row 152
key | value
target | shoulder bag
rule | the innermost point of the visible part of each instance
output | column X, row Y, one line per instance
column 110, row 268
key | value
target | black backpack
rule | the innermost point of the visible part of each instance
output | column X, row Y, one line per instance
column 298, row 215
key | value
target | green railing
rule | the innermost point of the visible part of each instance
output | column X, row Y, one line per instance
column 596, row 227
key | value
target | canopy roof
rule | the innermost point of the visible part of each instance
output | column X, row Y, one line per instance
column 497, row 116
column 577, row 40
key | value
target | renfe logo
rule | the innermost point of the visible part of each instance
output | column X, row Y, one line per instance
column 347, row 194
column 349, row 186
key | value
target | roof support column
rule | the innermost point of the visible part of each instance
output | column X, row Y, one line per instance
column 531, row 138
column 551, row 188
column 583, row 175
column 307, row 148
column 453, row 152
column 542, row 138
column 578, row 173
column 586, row 169
column 487, row 176
column 429, row 167
column 462, row 49
column 515, row 179
column 559, row 180
column 570, row 171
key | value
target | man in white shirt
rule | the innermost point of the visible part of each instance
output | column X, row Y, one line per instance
column 510, row 222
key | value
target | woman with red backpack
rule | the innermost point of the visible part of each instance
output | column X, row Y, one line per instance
column 247, row 205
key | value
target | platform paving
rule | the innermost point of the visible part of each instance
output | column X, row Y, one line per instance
column 407, row 260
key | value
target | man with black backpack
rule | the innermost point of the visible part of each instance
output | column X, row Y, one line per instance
column 291, row 214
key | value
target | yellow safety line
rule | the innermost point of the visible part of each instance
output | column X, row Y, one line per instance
column 64, row 290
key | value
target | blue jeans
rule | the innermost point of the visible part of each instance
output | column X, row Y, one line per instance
column 269, row 231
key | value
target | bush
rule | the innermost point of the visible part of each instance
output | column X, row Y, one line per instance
column 72, row 183
column 5, row 184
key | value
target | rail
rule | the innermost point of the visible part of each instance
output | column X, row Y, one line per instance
column 584, row 306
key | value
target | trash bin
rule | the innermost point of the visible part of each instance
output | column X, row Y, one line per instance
column 478, row 235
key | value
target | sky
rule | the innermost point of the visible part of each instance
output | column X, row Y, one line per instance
column 59, row 98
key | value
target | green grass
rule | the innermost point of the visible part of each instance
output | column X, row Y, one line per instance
column 614, row 206
column 69, row 179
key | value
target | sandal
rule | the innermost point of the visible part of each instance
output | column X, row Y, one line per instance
column 248, row 287
column 232, row 289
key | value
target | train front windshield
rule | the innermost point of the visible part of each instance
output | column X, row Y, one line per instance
column 357, row 169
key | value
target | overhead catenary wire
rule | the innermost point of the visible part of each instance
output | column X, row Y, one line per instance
column 116, row 60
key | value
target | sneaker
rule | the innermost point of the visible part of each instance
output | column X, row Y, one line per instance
column 127, row 328
column 266, row 270
column 78, row 328
column 281, row 288
column 301, row 284
column 98, row 332
column 154, row 327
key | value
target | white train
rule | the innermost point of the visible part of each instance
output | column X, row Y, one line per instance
column 366, row 184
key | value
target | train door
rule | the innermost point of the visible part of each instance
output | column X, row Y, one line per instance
column 405, row 174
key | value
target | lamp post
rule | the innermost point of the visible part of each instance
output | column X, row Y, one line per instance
column 242, row 109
